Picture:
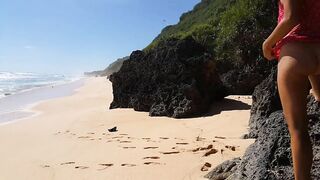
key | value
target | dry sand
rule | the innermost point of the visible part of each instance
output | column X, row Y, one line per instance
column 69, row 140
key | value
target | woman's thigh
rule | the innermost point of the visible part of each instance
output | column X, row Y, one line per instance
column 299, row 57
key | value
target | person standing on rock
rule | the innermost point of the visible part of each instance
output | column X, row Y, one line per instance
column 295, row 43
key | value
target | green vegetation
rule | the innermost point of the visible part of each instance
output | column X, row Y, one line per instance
column 112, row 68
column 232, row 30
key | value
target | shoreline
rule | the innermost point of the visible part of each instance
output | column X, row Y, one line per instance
column 12, row 110
column 69, row 139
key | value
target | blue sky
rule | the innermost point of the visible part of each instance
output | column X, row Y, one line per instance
column 73, row 36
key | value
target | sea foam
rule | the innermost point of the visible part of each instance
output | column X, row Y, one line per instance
column 15, row 82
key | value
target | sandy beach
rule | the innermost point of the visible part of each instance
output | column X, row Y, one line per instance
column 69, row 139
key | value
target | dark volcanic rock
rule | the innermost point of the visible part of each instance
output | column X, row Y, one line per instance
column 224, row 170
column 240, row 82
column 177, row 79
column 269, row 157
column 242, row 79
column 265, row 100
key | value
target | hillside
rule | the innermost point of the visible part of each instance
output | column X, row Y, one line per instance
column 232, row 30
column 112, row 68
column 228, row 32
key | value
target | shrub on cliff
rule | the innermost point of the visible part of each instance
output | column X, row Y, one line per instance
column 232, row 30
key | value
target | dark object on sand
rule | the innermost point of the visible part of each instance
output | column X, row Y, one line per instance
column 114, row 129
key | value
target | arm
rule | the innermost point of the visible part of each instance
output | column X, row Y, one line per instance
column 292, row 14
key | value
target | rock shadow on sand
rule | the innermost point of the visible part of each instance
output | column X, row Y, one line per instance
column 226, row 105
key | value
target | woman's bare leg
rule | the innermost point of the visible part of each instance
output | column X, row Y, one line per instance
column 315, row 83
column 293, row 70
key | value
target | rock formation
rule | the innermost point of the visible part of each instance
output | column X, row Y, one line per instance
column 178, row 79
column 265, row 100
column 269, row 157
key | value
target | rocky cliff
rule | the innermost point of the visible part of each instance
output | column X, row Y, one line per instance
column 269, row 157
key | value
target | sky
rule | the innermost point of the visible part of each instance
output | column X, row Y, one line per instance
column 75, row 36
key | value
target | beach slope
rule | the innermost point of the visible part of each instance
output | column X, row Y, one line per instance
column 69, row 139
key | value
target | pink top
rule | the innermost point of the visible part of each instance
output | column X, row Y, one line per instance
column 308, row 30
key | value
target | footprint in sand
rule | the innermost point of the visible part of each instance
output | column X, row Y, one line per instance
column 164, row 138
column 128, row 165
column 221, row 151
column 182, row 143
column 220, row 137
column 200, row 138
column 148, row 139
column 154, row 163
column 117, row 137
column 57, row 133
column 45, row 166
column 125, row 141
column 84, row 137
column 172, row 152
column 150, row 147
column 212, row 151
column 232, row 148
column 203, row 148
column 91, row 133
column 123, row 134
column 179, row 139
column 128, row 147
column 206, row 166
column 81, row 167
column 67, row 163
column 152, row 157
column 105, row 166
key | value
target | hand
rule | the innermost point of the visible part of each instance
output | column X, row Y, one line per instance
column 267, row 50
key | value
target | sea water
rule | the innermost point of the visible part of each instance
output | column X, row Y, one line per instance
column 18, row 91
column 12, row 83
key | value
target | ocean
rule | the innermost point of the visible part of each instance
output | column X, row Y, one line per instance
column 19, row 91
column 12, row 83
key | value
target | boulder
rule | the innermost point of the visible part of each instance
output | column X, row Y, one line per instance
column 178, row 79
column 224, row 170
column 265, row 100
column 269, row 157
